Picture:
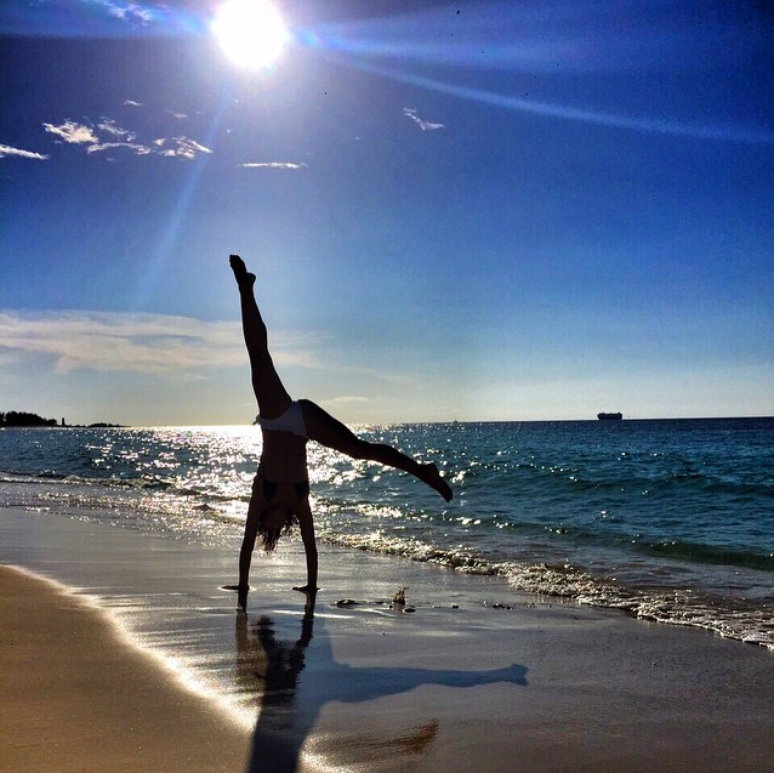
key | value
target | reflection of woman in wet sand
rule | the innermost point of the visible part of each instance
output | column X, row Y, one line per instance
column 295, row 680
column 280, row 495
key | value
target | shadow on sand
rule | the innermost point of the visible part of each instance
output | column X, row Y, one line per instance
column 294, row 680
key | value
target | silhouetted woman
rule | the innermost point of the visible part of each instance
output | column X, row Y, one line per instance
column 280, row 494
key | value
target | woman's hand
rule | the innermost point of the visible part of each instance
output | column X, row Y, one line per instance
column 311, row 595
column 306, row 589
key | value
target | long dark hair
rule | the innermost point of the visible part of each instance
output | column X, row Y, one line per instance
column 270, row 537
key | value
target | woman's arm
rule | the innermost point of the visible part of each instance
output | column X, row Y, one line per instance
column 306, row 524
column 246, row 552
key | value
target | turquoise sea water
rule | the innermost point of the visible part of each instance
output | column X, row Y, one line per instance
column 670, row 520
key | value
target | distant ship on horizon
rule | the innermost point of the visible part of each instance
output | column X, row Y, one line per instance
column 610, row 416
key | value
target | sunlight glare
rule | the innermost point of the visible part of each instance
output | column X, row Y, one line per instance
column 250, row 32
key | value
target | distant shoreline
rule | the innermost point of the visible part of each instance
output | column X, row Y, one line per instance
column 30, row 420
column 99, row 425
column 451, row 423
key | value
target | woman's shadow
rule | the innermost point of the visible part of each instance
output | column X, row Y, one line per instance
column 294, row 680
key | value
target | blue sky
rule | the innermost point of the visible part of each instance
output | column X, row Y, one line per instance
column 472, row 211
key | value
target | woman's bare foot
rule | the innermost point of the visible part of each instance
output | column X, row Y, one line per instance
column 432, row 477
column 243, row 277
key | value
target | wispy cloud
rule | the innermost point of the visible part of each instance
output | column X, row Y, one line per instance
column 118, row 137
column 135, row 147
column 123, row 139
column 425, row 126
column 111, row 127
column 7, row 150
column 271, row 165
column 138, row 343
column 180, row 146
column 72, row 132
column 127, row 11
column 346, row 400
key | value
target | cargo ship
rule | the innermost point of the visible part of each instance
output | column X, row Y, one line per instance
column 610, row 416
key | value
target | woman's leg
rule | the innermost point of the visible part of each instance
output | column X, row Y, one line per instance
column 273, row 399
column 324, row 429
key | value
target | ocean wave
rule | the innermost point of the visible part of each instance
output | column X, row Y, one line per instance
column 20, row 476
column 734, row 620
column 151, row 484
column 708, row 554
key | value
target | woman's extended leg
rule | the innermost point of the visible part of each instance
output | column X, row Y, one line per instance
column 273, row 399
column 330, row 432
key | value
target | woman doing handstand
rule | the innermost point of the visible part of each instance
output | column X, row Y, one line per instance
column 280, row 493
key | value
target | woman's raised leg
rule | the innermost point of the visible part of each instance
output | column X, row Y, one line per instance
column 324, row 429
column 273, row 399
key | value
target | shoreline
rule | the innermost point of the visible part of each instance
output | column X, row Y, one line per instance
column 534, row 687
column 572, row 582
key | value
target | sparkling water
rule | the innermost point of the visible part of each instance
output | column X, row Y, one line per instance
column 670, row 520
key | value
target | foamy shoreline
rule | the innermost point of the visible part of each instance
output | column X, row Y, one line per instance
column 453, row 685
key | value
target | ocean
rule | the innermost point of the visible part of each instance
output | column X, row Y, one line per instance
column 669, row 520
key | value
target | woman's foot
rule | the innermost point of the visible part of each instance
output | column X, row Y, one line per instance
column 243, row 277
column 432, row 477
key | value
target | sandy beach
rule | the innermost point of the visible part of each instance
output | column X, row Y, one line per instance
column 75, row 698
column 137, row 660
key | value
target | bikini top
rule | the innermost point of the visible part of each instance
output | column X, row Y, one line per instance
column 291, row 421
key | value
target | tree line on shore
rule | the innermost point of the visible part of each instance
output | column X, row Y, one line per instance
column 23, row 419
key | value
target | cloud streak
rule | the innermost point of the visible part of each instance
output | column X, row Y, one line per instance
column 128, row 11
column 111, row 127
column 7, row 150
column 182, row 147
column 74, row 133
column 346, row 401
column 425, row 126
column 271, row 165
column 149, row 344
column 135, row 147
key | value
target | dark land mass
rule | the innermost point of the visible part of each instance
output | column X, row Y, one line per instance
column 24, row 419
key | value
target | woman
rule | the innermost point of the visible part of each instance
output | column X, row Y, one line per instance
column 280, row 495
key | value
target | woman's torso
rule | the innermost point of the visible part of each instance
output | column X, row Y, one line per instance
column 283, row 458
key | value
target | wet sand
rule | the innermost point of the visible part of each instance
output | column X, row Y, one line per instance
column 142, row 663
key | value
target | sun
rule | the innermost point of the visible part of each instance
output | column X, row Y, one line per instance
column 250, row 32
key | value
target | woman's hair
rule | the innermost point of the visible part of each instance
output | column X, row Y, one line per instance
column 270, row 537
